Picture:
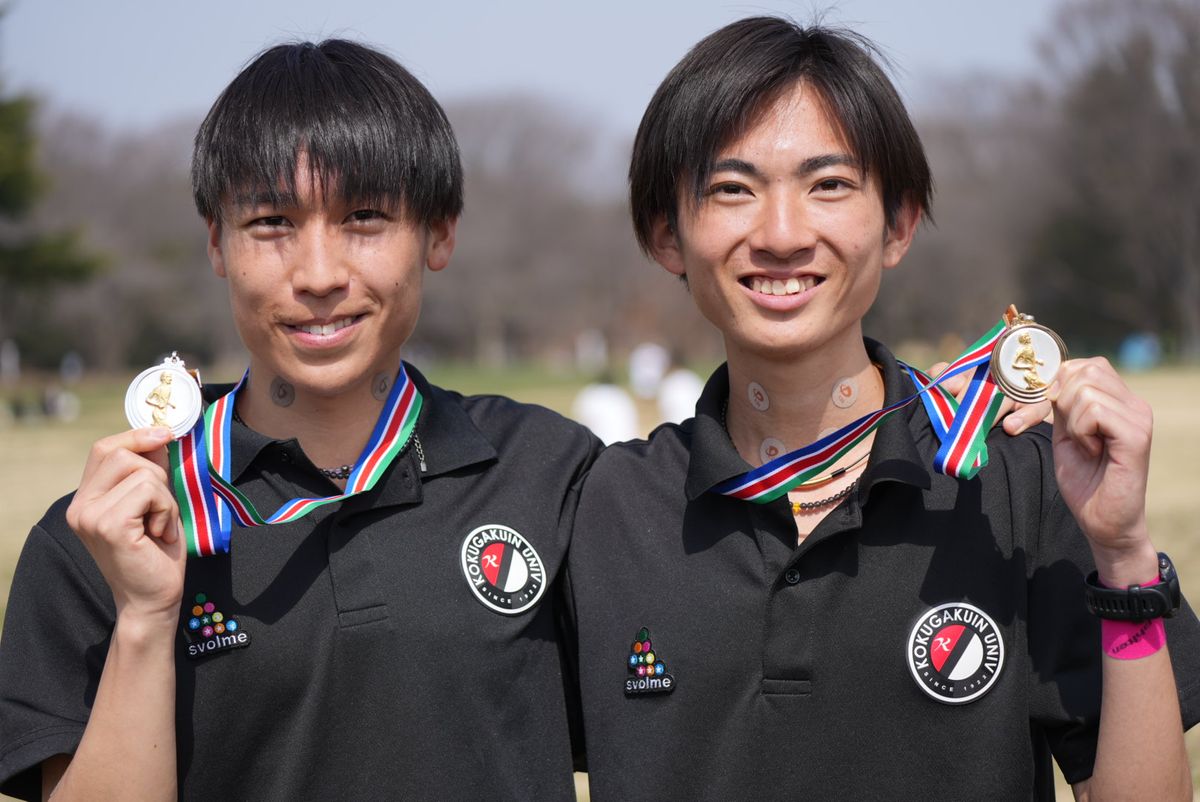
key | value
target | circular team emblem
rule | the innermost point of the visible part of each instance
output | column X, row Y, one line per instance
column 164, row 395
column 503, row 569
column 955, row 652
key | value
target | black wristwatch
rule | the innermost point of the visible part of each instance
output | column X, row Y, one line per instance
column 1137, row 602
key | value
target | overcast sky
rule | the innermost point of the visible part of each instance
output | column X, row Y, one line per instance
column 135, row 63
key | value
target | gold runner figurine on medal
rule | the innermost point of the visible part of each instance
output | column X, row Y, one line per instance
column 1026, row 358
column 165, row 395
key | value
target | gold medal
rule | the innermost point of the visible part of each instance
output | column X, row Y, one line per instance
column 1026, row 358
column 165, row 395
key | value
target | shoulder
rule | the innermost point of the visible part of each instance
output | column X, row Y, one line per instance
column 498, row 413
column 56, row 576
column 665, row 452
column 514, row 428
column 52, row 533
column 1027, row 460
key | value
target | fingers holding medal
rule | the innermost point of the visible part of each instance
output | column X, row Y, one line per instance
column 165, row 395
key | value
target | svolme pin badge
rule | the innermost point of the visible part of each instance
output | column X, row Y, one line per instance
column 647, row 670
column 1026, row 358
column 165, row 395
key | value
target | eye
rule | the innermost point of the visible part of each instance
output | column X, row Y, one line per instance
column 834, row 185
column 269, row 221
column 365, row 215
column 726, row 189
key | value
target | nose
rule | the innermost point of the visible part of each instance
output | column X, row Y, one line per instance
column 783, row 227
column 319, row 266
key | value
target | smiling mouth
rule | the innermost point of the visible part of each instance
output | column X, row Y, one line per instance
column 775, row 286
column 327, row 329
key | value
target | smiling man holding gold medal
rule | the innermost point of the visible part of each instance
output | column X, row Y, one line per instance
column 898, row 606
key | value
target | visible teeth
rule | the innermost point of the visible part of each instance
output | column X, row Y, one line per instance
column 328, row 328
column 792, row 286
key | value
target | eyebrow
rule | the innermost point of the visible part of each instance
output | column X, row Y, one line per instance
column 806, row 167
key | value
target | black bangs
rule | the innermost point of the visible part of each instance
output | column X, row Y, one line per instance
column 731, row 77
column 371, row 133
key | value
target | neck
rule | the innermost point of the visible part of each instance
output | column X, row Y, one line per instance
column 331, row 429
column 799, row 396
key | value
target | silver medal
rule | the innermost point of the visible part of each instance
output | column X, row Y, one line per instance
column 165, row 395
column 1026, row 358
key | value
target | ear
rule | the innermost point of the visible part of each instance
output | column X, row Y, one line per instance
column 664, row 247
column 215, row 255
column 440, row 246
column 900, row 234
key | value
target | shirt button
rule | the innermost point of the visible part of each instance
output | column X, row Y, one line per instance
column 285, row 456
column 791, row 576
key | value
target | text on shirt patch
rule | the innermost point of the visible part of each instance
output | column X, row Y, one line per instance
column 955, row 653
column 503, row 569
column 648, row 669
column 209, row 630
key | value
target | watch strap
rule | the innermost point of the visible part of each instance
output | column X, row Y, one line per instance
column 1136, row 602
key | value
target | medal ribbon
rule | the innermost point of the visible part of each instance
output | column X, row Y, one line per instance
column 200, row 469
column 962, row 429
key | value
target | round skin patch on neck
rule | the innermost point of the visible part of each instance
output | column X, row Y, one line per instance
column 770, row 449
column 845, row 392
column 758, row 397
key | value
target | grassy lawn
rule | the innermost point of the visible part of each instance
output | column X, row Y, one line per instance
column 41, row 461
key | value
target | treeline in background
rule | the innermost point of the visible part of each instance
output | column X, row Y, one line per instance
column 1075, row 194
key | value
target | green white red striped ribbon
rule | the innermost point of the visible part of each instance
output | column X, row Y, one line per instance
column 962, row 428
column 208, row 501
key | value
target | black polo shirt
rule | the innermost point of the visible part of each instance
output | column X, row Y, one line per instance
column 927, row 641
column 363, row 651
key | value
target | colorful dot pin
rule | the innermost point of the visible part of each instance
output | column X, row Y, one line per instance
column 197, row 610
column 209, row 607
column 207, row 632
column 194, row 623
column 219, row 629
column 231, row 625
column 637, row 648
column 218, row 617
column 201, row 598
column 643, row 634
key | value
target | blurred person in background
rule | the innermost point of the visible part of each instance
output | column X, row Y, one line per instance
column 678, row 392
column 400, row 644
column 880, row 630
column 605, row 408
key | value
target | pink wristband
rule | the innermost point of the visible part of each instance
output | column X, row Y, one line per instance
column 1132, row 640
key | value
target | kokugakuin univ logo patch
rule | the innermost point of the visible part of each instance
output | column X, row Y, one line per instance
column 955, row 653
column 503, row 569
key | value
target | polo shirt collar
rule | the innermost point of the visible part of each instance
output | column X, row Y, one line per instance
column 449, row 437
column 894, row 455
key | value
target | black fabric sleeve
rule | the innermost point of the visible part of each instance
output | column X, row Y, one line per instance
column 1064, row 648
column 565, row 620
column 56, row 633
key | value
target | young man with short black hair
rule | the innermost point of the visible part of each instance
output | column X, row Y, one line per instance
column 393, row 645
column 873, row 628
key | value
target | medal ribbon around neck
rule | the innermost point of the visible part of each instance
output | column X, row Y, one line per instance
column 200, row 468
column 962, row 429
